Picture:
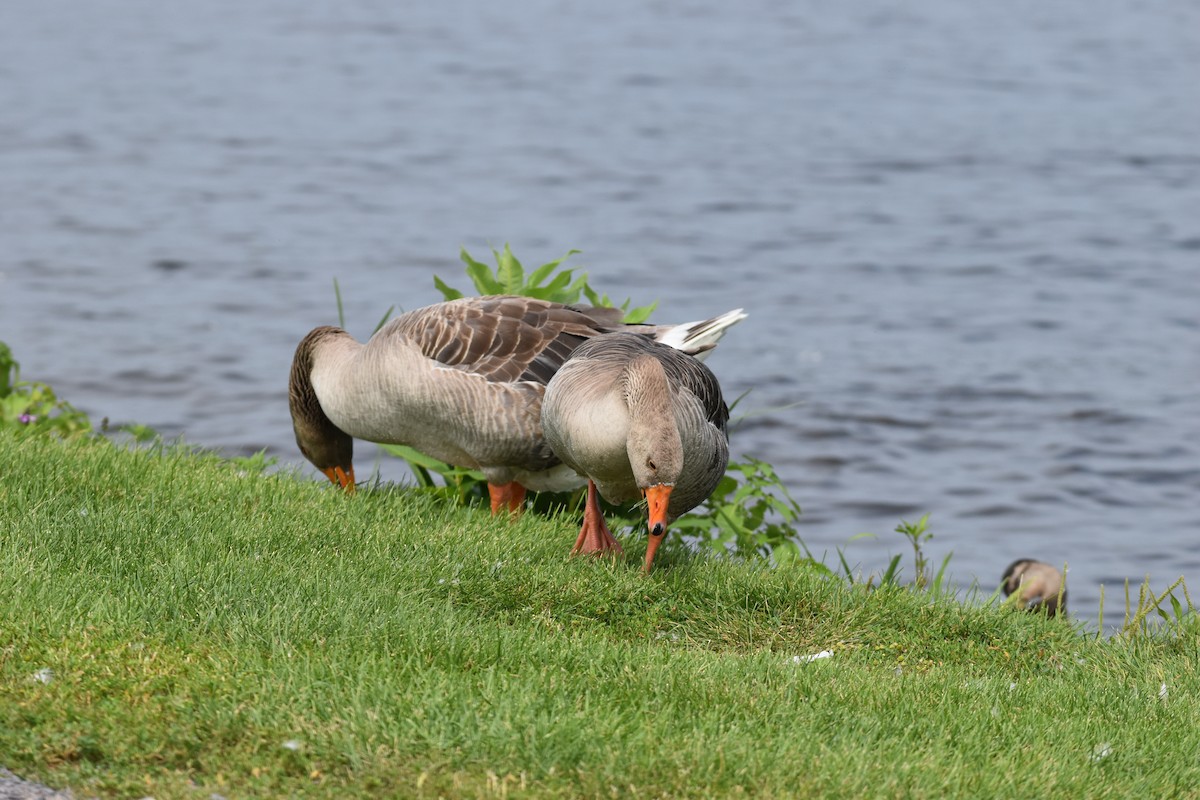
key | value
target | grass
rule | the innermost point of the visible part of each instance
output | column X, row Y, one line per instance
column 175, row 626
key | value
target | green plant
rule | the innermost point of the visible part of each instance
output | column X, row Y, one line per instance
column 32, row 406
column 1181, row 620
column 509, row 278
column 917, row 533
column 750, row 514
column 459, row 484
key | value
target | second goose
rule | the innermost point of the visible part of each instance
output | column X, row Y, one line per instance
column 637, row 418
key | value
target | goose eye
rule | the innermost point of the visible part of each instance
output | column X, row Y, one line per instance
column 650, row 463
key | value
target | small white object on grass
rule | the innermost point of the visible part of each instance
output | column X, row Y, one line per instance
column 813, row 657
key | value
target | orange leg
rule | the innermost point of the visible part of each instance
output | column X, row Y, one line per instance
column 595, row 538
column 516, row 500
column 509, row 496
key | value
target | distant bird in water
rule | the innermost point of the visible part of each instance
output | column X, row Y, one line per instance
column 639, row 419
column 1038, row 585
column 460, row 381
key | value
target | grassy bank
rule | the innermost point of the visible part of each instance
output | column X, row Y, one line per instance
column 172, row 627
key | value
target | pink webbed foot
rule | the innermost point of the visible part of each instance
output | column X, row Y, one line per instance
column 595, row 538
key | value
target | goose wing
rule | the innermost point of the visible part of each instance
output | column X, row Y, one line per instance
column 687, row 372
column 502, row 338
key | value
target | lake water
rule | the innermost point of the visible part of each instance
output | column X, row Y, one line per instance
column 967, row 234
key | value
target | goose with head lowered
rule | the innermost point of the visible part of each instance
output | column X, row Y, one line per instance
column 638, row 419
column 461, row 381
column 1038, row 586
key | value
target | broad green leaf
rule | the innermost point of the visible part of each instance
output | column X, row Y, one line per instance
column 415, row 457
column 577, row 287
column 641, row 313
column 509, row 271
column 541, row 273
column 447, row 291
column 555, row 288
column 481, row 275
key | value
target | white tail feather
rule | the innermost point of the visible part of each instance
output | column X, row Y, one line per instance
column 697, row 338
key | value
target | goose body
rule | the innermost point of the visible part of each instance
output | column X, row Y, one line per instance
column 637, row 418
column 460, row 381
column 1038, row 586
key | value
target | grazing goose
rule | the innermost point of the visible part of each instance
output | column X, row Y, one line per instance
column 460, row 381
column 1041, row 586
column 638, row 419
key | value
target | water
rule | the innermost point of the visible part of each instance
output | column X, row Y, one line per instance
column 967, row 234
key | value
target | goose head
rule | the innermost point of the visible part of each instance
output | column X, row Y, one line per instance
column 654, row 446
column 329, row 448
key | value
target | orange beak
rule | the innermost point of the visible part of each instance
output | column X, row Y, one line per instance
column 342, row 477
column 656, row 499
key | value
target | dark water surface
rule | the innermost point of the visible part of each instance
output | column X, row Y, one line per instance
column 968, row 235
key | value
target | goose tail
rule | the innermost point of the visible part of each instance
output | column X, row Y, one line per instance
column 697, row 338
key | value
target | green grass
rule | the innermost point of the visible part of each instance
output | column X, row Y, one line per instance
column 212, row 631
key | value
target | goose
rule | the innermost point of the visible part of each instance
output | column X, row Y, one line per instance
column 1040, row 586
column 638, row 418
column 461, row 381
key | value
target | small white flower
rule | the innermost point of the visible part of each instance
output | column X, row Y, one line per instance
column 813, row 657
column 291, row 744
column 1101, row 751
column 44, row 675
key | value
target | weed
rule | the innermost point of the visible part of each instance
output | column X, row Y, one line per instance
column 509, row 278
column 1181, row 620
column 32, row 406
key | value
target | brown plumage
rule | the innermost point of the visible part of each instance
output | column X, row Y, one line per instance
column 1039, row 586
column 460, row 381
